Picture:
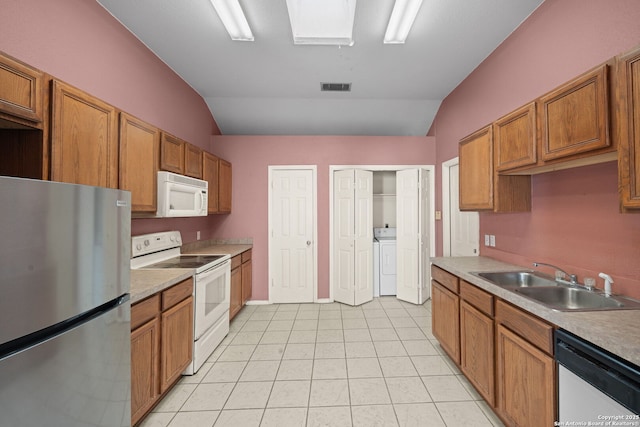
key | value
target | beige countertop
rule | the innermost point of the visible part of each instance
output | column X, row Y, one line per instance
column 145, row 283
column 617, row 331
column 221, row 249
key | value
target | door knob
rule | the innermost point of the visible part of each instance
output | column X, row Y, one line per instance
column 308, row 242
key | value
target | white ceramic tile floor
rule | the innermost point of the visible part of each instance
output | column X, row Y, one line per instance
column 308, row 365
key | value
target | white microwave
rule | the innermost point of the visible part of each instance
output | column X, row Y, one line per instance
column 181, row 196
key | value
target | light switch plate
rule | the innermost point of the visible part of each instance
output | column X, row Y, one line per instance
column 486, row 240
column 197, row 235
column 438, row 215
column 492, row 241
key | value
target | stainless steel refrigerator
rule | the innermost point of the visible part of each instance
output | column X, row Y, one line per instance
column 64, row 305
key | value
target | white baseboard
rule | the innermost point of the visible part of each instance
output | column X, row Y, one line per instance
column 266, row 302
column 257, row 302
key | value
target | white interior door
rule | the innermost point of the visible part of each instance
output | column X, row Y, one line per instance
column 353, row 236
column 464, row 226
column 424, row 218
column 363, row 237
column 412, row 196
column 292, row 241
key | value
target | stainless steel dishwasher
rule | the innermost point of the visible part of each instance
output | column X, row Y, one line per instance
column 594, row 386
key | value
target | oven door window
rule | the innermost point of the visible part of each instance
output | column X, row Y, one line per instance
column 212, row 297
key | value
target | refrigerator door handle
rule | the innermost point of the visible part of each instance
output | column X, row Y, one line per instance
column 23, row 343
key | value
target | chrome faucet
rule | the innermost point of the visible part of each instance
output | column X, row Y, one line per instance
column 572, row 277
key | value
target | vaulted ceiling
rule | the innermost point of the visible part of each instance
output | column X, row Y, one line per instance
column 272, row 87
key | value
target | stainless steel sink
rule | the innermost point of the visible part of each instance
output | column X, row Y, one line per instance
column 557, row 295
column 524, row 279
column 565, row 298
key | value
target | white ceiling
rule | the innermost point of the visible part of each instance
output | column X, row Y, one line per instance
column 272, row 87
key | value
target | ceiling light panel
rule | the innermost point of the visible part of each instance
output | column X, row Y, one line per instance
column 401, row 20
column 322, row 22
column 233, row 18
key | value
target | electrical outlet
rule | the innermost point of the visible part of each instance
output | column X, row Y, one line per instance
column 197, row 235
column 492, row 241
column 486, row 240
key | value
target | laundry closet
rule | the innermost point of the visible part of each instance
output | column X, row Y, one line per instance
column 382, row 232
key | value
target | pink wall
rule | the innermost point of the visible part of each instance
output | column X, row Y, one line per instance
column 251, row 156
column 574, row 221
column 81, row 43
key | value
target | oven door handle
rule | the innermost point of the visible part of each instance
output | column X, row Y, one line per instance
column 214, row 270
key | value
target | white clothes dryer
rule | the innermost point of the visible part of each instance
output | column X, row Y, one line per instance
column 387, row 260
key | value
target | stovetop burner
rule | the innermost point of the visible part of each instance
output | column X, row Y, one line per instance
column 186, row 261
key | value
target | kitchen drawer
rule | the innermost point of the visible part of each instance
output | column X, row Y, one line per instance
column 144, row 311
column 246, row 256
column 177, row 293
column 478, row 298
column 445, row 278
column 529, row 327
column 236, row 261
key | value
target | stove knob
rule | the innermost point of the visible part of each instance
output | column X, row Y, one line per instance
column 139, row 247
column 146, row 242
column 172, row 238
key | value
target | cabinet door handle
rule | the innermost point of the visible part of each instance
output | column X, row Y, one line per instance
column 308, row 242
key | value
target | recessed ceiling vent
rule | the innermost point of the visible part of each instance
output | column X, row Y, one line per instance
column 335, row 87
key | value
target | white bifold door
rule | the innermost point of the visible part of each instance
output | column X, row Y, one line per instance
column 353, row 236
column 412, row 213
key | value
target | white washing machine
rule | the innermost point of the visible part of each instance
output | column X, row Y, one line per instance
column 385, row 260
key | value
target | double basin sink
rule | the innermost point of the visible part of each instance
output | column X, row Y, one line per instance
column 557, row 295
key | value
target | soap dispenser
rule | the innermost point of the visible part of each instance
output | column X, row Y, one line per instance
column 607, row 284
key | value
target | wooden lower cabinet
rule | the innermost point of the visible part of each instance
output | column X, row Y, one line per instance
column 526, row 381
column 145, row 348
column 477, row 350
column 241, row 272
column 235, row 297
column 177, row 346
column 445, row 311
column 161, row 345
column 247, row 272
column 506, row 353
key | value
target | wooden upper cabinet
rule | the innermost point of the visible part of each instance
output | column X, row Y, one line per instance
column 210, row 174
column 21, row 90
column 139, row 151
column 171, row 153
column 575, row 116
column 481, row 187
column 515, row 139
column 628, row 121
column 224, row 186
column 84, row 138
column 192, row 161
column 476, row 170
